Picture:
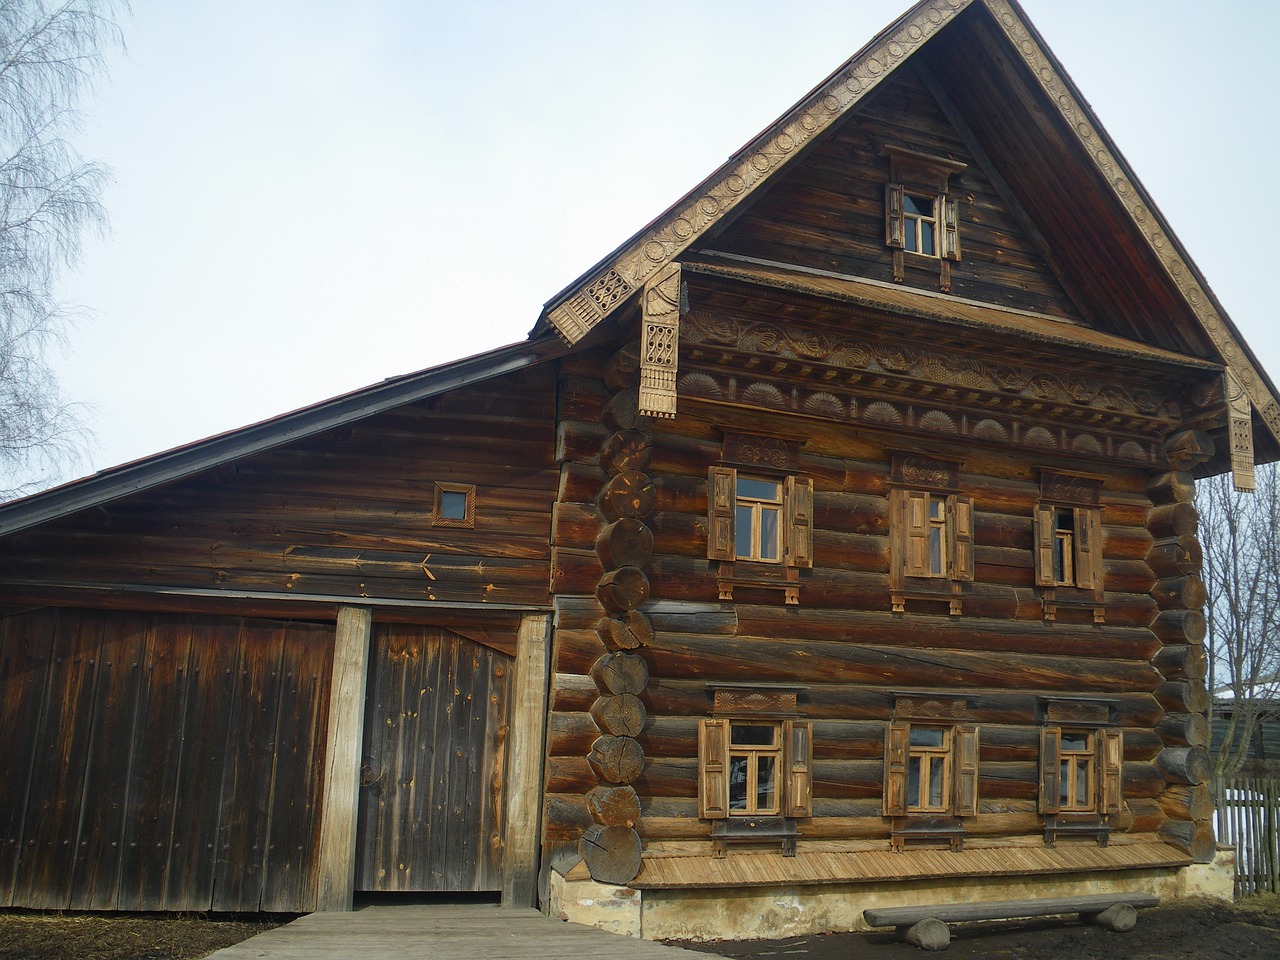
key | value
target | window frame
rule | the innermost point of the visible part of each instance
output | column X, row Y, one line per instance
column 442, row 487
column 757, row 507
column 793, row 751
column 1106, row 769
column 795, row 527
column 960, row 764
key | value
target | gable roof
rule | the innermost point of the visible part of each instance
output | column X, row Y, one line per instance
column 611, row 284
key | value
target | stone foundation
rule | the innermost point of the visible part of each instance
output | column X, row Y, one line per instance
column 775, row 912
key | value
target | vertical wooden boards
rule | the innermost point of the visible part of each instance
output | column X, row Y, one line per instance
column 161, row 762
column 435, row 733
column 345, row 735
column 524, row 765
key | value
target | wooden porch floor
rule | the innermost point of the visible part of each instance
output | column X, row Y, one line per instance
column 442, row 932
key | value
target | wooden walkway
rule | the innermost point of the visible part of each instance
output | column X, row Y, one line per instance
column 443, row 932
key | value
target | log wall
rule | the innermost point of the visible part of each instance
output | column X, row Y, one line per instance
column 157, row 762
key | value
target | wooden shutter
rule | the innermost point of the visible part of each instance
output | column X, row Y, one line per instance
column 798, row 737
column 960, row 525
column 949, row 227
column 915, row 540
column 1045, row 535
column 966, row 770
column 1050, row 769
column 799, row 512
column 722, row 501
column 895, row 769
column 713, row 769
column 1088, row 548
column 893, row 226
column 1111, row 764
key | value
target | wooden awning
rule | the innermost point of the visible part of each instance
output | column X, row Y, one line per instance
column 869, row 866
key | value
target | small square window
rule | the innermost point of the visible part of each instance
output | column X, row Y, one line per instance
column 454, row 506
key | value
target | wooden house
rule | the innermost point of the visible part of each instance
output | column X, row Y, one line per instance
column 830, row 542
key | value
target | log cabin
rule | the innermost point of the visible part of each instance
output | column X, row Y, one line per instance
column 829, row 544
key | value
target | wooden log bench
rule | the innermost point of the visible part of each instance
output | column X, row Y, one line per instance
column 926, row 926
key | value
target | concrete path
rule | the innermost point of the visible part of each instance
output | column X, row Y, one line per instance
column 443, row 932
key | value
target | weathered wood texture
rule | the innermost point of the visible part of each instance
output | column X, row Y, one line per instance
column 158, row 762
column 346, row 516
column 433, row 777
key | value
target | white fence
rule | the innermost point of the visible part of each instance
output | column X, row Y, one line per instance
column 1248, row 815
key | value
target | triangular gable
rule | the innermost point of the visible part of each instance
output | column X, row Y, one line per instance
column 614, row 282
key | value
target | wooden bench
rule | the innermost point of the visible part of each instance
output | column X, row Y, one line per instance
column 926, row 926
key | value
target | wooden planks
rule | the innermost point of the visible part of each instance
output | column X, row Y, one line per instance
column 434, row 763
column 160, row 762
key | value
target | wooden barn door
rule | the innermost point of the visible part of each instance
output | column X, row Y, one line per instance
column 432, row 775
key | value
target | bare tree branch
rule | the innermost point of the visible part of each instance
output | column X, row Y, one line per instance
column 50, row 56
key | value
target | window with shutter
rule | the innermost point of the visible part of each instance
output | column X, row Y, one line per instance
column 921, row 213
column 754, row 766
column 930, row 768
column 931, row 532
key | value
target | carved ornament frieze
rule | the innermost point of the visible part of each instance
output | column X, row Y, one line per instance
column 757, row 451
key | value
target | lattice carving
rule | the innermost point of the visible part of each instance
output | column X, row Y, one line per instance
column 659, row 352
column 1240, row 428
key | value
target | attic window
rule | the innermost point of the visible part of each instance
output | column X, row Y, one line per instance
column 921, row 213
column 454, row 505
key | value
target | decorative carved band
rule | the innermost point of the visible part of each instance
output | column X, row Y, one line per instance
column 765, row 703
column 756, row 451
column 1070, row 488
column 659, row 351
column 914, row 470
column 930, row 708
column 736, row 181
column 1240, row 427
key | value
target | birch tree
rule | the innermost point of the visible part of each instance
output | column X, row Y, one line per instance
column 50, row 55
column 1240, row 534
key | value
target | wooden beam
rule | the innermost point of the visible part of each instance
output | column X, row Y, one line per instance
column 524, row 764
column 341, row 801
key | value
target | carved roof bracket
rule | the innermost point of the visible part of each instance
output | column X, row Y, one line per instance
column 660, row 342
column 1240, row 430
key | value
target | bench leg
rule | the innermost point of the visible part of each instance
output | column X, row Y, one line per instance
column 929, row 934
column 1120, row 917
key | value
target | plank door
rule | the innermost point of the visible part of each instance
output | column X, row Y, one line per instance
column 432, row 774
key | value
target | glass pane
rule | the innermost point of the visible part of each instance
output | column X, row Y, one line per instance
column 1060, row 559
column 935, row 508
column 1064, row 783
column 909, row 235
column 765, row 782
column 753, row 734
column 738, row 783
column 926, row 237
column 1075, row 741
column 935, row 550
column 760, row 489
column 926, row 736
column 1064, row 520
column 742, row 532
column 1082, row 785
column 936, row 781
column 453, row 505
column 913, row 783
column 917, row 206
column 768, row 533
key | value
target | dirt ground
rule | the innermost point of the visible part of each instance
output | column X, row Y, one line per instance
column 1177, row 930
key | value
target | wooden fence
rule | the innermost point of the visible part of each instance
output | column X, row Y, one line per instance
column 1248, row 815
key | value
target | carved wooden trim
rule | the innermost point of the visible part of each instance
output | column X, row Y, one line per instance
column 916, row 707
column 1240, row 429
column 613, row 283
column 730, row 701
column 754, row 450
column 1081, row 120
column 928, row 473
column 660, row 346
column 1070, row 488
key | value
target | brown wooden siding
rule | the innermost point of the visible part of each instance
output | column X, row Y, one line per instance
column 158, row 762
column 346, row 516
column 827, row 211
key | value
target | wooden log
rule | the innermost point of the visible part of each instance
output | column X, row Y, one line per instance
column 1179, row 593
column 1182, row 662
column 1195, row 837
column 628, row 494
column 1188, row 449
column 1176, row 556
column 1180, row 626
column 621, row 716
column 616, row 760
column 614, row 806
column 1187, row 802
column 1184, row 729
column 1142, row 780
column 580, row 482
column 612, row 853
column 622, row 411
column 624, row 590
column 1127, row 576
column 1185, row 765
column 1125, row 543
column 622, row 369
column 1173, row 487
column 1177, row 519
column 1182, row 696
column 627, row 451
column 627, row 631
column 1147, row 817
column 624, row 543
column 617, row 673
column 575, row 525
column 1118, row 918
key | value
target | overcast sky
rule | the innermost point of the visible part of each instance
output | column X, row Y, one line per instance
column 313, row 195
